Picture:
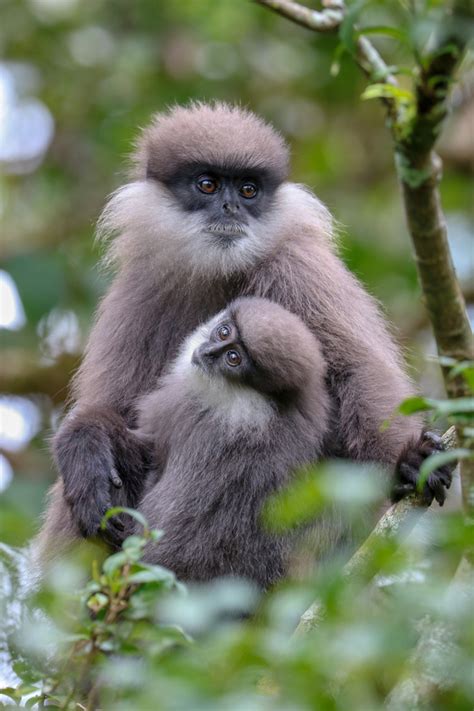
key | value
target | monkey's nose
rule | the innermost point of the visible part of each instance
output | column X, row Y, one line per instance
column 204, row 355
column 229, row 208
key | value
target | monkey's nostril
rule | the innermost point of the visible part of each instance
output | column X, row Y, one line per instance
column 229, row 209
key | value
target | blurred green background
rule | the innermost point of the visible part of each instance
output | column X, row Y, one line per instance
column 77, row 79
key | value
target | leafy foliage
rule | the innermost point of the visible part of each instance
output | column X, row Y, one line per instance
column 132, row 636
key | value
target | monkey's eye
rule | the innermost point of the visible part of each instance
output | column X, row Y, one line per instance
column 223, row 332
column 248, row 190
column 207, row 184
column 233, row 358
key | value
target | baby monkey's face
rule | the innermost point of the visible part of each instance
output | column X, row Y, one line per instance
column 224, row 353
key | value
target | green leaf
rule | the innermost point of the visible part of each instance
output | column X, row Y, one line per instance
column 439, row 460
column 388, row 91
column 414, row 404
column 441, row 407
column 453, row 407
column 466, row 369
column 133, row 543
column 299, row 503
column 114, row 562
column 10, row 691
column 394, row 32
column 124, row 509
column 347, row 31
column 152, row 574
column 97, row 602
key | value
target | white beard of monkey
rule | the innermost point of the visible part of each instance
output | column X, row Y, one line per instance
column 153, row 228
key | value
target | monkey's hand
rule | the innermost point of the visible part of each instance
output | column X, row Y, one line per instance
column 102, row 465
column 408, row 469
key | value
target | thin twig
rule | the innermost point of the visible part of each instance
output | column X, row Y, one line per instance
column 327, row 20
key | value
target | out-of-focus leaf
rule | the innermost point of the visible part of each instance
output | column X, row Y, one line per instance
column 438, row 460
column 347, row 29
column 114, row 562
column 441, row 407
column 152, row 574
column 388, row 91
column 40, row 278
column 396, row 33
column 114, row 511
column 414, row 404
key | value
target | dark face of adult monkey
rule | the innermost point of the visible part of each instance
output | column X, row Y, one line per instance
column 209, row 216
column 244, row 405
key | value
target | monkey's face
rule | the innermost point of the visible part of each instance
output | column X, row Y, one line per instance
column 229, row 203
column 223, row 354
column 227, row 209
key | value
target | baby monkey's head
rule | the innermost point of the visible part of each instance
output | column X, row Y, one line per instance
column 259, row 344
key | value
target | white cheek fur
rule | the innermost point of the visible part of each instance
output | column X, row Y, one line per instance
column 150, row 226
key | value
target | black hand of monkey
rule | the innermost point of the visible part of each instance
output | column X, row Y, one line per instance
column 87, row 448
column 407, row 471
column 98, row 494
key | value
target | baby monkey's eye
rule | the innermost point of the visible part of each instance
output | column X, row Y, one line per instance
column 223, row 332
column 248, row 190
column 207, row 184
column 233, row 358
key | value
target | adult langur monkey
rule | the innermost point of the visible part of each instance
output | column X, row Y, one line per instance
column 209, row 216
column 242, row 408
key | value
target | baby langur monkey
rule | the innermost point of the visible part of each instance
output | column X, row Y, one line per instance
column 243, row 406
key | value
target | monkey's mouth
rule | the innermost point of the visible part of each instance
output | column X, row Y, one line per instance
column 226, row 232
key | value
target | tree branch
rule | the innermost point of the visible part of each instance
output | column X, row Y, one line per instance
column 327, row 20
column 22, row 375
column 431, row 665
column 395, row 524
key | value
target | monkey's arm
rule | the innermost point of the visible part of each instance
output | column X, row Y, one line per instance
column 103, row 464
column 100, row 462
column 366, row 377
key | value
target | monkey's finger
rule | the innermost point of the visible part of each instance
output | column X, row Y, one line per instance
column 435, row 440
column 118, row 523
column 445, row 476
column 437, row 489
column 113, row 533
column 408, row 474
column 114, row 478
column 114, row 521
column 112, row 537
column 400, row 491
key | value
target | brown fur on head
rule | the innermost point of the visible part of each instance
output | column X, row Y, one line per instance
column 279, row 343
column 217, row 134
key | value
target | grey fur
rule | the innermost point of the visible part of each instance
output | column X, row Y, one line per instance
column 173, row 274
column 226, row 445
